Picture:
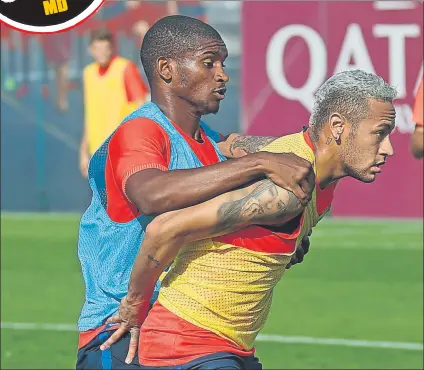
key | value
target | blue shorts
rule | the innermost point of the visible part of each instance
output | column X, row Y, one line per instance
column 216, row 361
column 92, row 358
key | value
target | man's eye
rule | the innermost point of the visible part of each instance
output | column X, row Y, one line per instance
column 208, row 64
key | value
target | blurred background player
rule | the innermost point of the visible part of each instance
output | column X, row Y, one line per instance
column 57, row 48
column 113, row 88
column 216, row 297
column 417, row 139
column 191, row 8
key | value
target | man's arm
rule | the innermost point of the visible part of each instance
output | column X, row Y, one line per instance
column 261, row 203
column 155, row 191
column 417, row 146
column 236, row 145
column 84, row 155
column 139, row 155
column 417, row 142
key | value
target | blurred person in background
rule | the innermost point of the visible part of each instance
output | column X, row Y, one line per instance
column 417, row 138
column 192, row 8
column 57, row 48
column 161, row 158
column 216, row 297
column 140, row 27
column 113, row 88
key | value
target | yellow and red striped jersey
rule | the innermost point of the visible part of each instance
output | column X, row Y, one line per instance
column 226, row 285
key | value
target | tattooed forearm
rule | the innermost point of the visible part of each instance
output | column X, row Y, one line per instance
column 250, row 144
column 154, row 260
column 266, row 204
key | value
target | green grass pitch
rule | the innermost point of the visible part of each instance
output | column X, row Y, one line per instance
column 362, row 280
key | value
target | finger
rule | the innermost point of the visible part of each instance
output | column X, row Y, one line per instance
column 297, row 161
column 240, row 152
column 113, row 319
column 309, row 178
column 307, row 187
column 135, row 334
column 310, row 232
column 293, row 260
column 305, row 244
column 300, row 254
column 114, row 337
column 300, row 194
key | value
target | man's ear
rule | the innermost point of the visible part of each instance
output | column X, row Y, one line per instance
column 165, row 69
column 337, row 125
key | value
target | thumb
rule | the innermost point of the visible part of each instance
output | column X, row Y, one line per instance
column 113, row 319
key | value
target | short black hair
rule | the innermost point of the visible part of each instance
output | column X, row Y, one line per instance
column 171, row 37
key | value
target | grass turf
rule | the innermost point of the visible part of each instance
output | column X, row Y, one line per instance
column 363, row 279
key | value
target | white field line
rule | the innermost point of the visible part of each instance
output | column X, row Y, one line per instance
column 261, row 337
column 346, row 244
column 325, row 230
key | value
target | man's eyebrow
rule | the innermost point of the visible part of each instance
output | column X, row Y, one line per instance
column 210, row 52
column 213, row 51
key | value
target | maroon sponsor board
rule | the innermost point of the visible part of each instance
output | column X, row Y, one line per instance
column 291, row 48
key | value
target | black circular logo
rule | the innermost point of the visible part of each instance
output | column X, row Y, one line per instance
column 46, row 16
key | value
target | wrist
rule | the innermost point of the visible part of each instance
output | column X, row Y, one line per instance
column 134, row 299
column 259, row 163
column 139, row 296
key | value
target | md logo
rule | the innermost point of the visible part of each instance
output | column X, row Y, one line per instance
column 46, row 16
column 54, row 6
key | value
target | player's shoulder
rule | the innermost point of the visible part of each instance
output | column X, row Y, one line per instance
column 141, row 128
column 124, row 61
column 285, row 143
column 292, row 143
column 90, row 68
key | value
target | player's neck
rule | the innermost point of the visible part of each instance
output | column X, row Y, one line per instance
column 328, row 166
column 180, row 112
column 107, row 63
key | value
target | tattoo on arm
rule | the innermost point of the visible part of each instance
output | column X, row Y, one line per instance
column 267, row 203
column 250, row 144
column 135, row 333
column 154, row 260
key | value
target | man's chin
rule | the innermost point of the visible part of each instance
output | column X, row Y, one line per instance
column 365, row 178
column 213, row 109
column 211, row 106
column 368, row 179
